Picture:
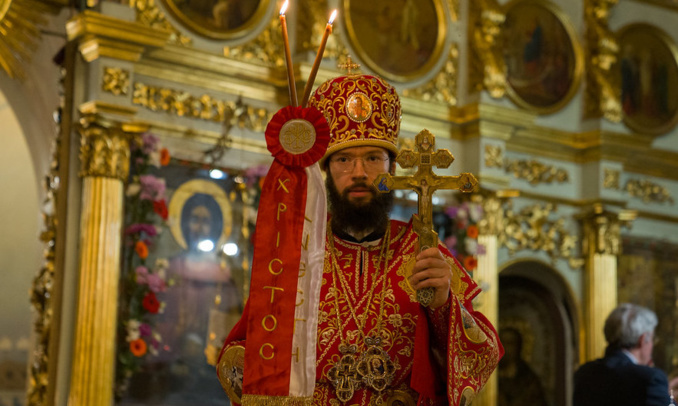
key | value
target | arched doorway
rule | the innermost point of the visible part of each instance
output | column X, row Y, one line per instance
column 20, row 255
column 538, row 324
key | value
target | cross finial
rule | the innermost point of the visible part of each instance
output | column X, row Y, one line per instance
column 349, row 65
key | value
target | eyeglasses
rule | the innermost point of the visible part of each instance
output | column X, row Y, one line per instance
column 371, row 162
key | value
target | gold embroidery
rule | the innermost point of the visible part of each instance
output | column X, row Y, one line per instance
column 400, row 316
column 374, row 367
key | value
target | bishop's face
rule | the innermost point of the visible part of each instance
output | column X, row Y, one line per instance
column 353, row 171
column 354, row 202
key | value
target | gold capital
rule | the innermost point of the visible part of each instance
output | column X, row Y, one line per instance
column 105, row 147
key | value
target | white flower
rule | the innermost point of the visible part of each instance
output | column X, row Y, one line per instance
column 161, row 263
column 471, row 245
column 154, row 158
column 475, row 212
column 133, row 330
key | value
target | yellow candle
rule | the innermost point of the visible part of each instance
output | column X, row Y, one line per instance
column 318, row 58
column 288, row 57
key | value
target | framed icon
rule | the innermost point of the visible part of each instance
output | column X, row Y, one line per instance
column 543, row 57
column 648, row 71
column 207, row 250
column 399, row 40
column 219, row 19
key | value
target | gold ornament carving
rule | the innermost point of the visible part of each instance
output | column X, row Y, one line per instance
column 536, row 172
column 488, row 69
column 116, row 81
column 20, row 33
column 266, row 48
column 494, row 156
column 602, row 96
column 649, row 191
column 148, row 14
column 610, row 178
column 443, row 88
column 493, row 214
column 104, row 148
column 602, row 229
column 204, row 107
column 534, row 228
column 41, row 293
column 453, row 6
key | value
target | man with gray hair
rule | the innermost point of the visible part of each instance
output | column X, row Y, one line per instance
column 624, row 376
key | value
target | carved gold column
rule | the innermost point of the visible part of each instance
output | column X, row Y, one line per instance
column 602, row 96
column 488, row 69
column 487, row 276
column 104, row 155
column 601, row 246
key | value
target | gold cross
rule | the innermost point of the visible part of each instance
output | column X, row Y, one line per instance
column 425, row 182
column 349, row 65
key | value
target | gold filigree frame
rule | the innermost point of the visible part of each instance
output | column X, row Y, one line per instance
column 209, row 30
column 672, row 76
column 577, row 55
column 377, row 66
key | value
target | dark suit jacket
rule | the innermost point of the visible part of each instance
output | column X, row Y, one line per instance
column 616, row 381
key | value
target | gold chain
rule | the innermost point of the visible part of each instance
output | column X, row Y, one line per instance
column 374, row 367
column 346, row 288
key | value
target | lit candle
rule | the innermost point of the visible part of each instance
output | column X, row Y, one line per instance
column 318, row 58
column 288, row 57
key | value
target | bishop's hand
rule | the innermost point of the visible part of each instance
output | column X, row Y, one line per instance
column 432, row 270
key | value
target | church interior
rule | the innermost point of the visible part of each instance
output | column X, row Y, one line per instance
column 117, row 116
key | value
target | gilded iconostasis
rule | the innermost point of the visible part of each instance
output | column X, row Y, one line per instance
column 134, row 157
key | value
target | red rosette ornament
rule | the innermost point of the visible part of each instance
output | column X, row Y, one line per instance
column 297, row 136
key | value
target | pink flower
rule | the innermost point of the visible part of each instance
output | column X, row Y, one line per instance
column 152, row 188
column 148, row 229
column 451, row 211
column 253, row 173
column 451, row 243
column 155, row 283
column 149, row 143
column 142, row 275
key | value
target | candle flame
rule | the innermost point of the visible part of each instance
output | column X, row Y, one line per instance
column 284, row 7
column 332, row 17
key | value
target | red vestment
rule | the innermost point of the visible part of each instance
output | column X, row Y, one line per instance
column 440, row 356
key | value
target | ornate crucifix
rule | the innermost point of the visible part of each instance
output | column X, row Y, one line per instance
column 425, row 182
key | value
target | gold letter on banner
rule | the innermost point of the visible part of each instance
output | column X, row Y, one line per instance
column 270, row 266
column 281, row 184
column 281, row 208
column 263, row 322
column 273, row 289
column 301, row 295
column 261, row 351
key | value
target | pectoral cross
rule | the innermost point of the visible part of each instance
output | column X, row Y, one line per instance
column 425, row 182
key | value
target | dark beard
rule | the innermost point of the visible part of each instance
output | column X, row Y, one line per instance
column 358, row 218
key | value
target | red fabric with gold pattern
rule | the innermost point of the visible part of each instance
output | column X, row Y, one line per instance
column 410, row 338
column 360, row 110
column 443, row 357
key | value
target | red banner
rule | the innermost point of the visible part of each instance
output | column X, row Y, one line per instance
column 297, row 137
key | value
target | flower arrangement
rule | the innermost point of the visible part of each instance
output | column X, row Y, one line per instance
column 463, row 240
column 142, row 279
